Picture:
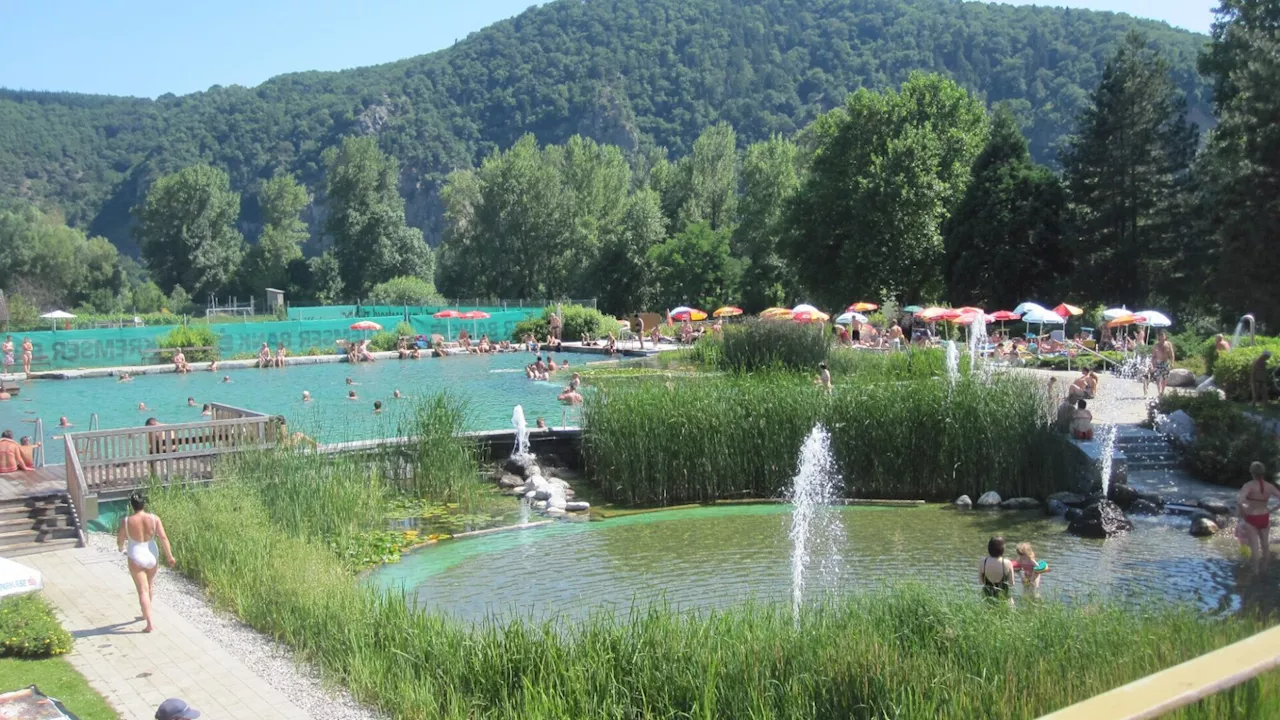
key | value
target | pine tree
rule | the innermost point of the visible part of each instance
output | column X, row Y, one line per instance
column 1124, row 172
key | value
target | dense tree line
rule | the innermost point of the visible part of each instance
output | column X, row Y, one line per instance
column 638, row 74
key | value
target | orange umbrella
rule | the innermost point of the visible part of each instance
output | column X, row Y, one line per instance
column 933, row 314
column 777, row 313
column 683, row 313
column 727, row 311
column 1065, row 310
column 1124, row 320
column 862, row 307
column 810, row 316
column 366, row 325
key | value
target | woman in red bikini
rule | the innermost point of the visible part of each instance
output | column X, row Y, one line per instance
column 1255, row 518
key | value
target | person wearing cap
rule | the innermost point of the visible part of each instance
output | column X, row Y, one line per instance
column 176, row 709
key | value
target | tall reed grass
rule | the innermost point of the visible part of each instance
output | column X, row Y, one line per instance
column 909, row 653
column 697, row 440
column 755, row 344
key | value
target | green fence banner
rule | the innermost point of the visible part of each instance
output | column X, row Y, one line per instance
column 108, row 347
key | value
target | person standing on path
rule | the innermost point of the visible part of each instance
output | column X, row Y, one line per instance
column 637, row 328
column 139, row 532
column 556, row 325
column 7, row 350
column 1162, row 358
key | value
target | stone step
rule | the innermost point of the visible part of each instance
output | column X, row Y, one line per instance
column 34, row 547
column 1154, row 465
column 36, row 523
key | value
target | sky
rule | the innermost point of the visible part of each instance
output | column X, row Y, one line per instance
column 148, row 48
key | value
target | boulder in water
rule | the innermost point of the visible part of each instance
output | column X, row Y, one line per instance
column 554, row 511
column 540, row 505
column 1178, row 425
column 518, row 491
column 989, row 499
column 1020, row 503
column 1100, row 520
column 541, row 494
column 579, row 506
column 1070, row 499
column 558, row 502
column 963, row 502
column 1144, row 507
column 1056, row 507
column 508, row 481
column 1203, row 527
column 1072, row 514
column 1180, row 378
column 532, row 471
column 516, row 464
column 1122, row 495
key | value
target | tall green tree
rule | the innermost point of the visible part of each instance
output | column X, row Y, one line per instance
column 695, row 268
column 283, row 232
column 371, row 241
column 769, row 180
column 1124, row 171
column 1241, row 166
column 326, row 278
column 887, row 169
column 186, row 229
column 1004, row 241
column 625, row 274
column 51, row 264
column 710, row 177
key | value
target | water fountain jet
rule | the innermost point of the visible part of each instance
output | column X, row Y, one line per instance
column 816, row 528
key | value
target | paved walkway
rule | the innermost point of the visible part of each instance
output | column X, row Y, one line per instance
column 134, row 671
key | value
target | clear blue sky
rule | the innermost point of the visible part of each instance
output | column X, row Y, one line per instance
column 150, row 47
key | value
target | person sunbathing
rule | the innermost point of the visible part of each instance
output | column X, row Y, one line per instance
column 180, row 362
column 281, row 354
column 264, row 356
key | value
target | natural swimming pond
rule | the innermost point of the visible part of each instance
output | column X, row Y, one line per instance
column 489, row 384
column 720, row 556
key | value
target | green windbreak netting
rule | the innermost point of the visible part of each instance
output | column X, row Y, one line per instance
column 70, row 349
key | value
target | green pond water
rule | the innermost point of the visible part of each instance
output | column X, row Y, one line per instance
column 718, row 556
column 490, row 384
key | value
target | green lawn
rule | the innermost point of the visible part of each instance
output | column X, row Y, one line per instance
column 56, row 678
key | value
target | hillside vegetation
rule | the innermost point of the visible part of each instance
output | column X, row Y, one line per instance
column 632, row 73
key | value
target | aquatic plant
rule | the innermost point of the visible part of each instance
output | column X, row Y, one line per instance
column 696, row 440
column 905, row 653
column 754, row 344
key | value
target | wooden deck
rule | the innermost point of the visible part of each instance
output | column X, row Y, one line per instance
column 41, row 481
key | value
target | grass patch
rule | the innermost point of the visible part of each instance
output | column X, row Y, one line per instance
column 29, row 629
column 909, row 653
column 56, row 678
column 1226, row 440
column 699, row 440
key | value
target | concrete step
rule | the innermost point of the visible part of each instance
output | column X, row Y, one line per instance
column 36, row 523
column 32, row 512
column 1154, row 465
column 32, row 548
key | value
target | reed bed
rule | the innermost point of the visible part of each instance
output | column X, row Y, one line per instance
column 704, row 439
column 904, row 653
column 755, row 344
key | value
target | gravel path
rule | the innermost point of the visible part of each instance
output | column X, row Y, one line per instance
column 270, row 660
column 1119, row 400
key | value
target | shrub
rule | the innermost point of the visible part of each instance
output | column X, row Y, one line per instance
column 1226, row 440
column 28, row 629
column 190, row 336
column 756, row 344
column 1233, row 371
column 382, row 341
column 577, row 320
column 405, row 290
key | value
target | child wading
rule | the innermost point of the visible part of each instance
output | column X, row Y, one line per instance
column 996, row 572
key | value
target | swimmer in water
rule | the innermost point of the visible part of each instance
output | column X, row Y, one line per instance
column 226, row 378
column 396, row 395
column 377, row 407
column 125, row 377
column 191, row 402
column 142, row 407
column 352, row 382
column 351, row 395
column 206, row 410
column 64, row 422
column 306, row 396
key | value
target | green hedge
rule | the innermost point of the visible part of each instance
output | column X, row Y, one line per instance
column 28, row 629
column 1226, row 441
column 190, row 336
column 1232, row 371
column 577, row 320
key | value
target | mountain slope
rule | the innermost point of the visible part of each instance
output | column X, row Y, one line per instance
column 629, row 72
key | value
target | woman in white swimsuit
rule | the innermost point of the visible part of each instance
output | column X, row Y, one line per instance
column 137, row 539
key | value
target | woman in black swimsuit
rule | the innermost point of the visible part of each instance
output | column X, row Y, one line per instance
column 996, row 573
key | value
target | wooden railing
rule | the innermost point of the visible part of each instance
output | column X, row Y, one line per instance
column 231, row 412
column 76, row 488
column 127, row 458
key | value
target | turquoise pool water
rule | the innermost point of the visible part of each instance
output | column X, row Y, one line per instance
column 489, row 384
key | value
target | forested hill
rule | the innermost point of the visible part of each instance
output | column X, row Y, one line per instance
column 629, row 72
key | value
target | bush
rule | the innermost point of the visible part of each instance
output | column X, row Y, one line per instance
column 405, row 290
column 577, row 320
column 756, row 344
column 28, row 629
column 1233, row 371
column 190, row 336
column 1226, row 440
column 390, row 340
